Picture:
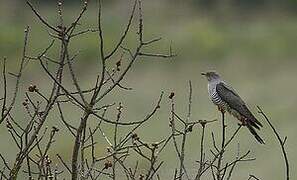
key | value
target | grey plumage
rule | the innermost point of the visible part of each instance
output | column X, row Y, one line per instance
column 228, row 100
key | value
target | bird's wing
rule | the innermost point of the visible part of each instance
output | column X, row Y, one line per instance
column 228, row 95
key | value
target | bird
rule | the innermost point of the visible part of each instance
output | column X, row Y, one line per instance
column 227, row 99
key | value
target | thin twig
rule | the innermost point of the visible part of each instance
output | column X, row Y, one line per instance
column 281, row 142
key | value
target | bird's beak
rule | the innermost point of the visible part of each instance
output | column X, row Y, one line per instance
column 203, row 74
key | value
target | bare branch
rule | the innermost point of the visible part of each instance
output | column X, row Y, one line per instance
column 41, row 18
column 18, row 76
column 281, row 142
column 125, row 32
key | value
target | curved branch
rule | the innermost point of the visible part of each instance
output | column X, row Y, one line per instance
column 281, row 142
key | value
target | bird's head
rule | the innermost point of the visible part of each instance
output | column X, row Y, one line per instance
column 211, row 75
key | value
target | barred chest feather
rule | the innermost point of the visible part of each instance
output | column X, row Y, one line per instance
column 217, row 100
column 214, row 96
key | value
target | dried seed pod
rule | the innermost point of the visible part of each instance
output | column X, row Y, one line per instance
column 32, row 88
column 171, row 95
column 107, row 164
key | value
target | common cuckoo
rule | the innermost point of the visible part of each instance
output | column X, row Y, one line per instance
column 228, row 100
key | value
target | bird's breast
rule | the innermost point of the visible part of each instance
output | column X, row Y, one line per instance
column 214, row 96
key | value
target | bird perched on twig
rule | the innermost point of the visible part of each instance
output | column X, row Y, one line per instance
column 228, row 100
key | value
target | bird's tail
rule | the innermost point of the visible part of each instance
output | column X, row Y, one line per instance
column 253, row 131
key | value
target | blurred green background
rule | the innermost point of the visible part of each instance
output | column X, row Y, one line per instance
column 251, row 43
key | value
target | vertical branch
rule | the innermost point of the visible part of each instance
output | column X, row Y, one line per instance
column 221, row 153
column 27, row 158
column 88, row 108
column 190, row 102
column 140, row 29
column 4, row 90
column 115, row 139
column 201, row 161
column 172, row 125
column 223, row 131
column 184, row 136
column 73, row 76
column 102, row 56
column 82, row 153
column 77, row 142
column 60, row 13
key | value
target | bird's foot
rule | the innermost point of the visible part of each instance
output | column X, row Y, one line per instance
column 243, row 121
column 222, row 110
